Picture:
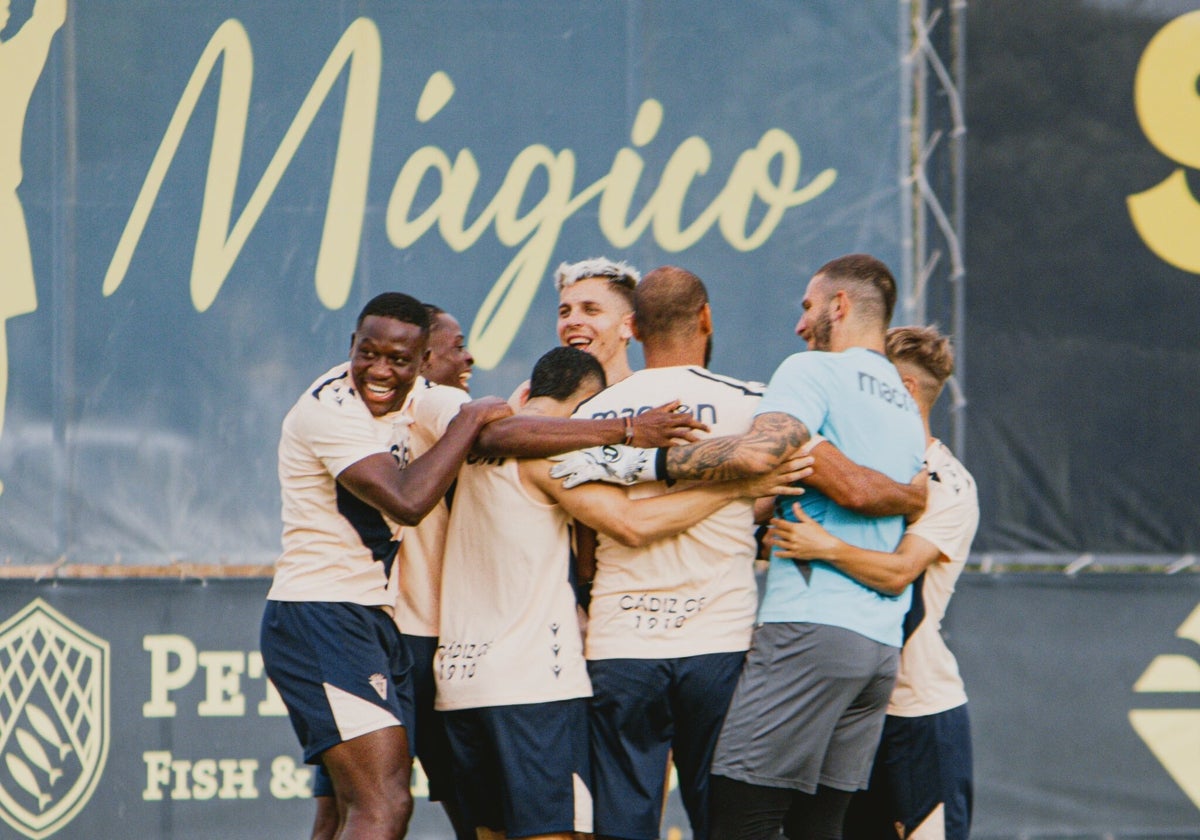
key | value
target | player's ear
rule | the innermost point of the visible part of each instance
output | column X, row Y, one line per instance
column 706, row 325
column 627, row 331
column 910, row 382
column 839, row 304
column 633, row 328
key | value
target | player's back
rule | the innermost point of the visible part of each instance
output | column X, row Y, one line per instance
column 695, row 592
column 508, row 628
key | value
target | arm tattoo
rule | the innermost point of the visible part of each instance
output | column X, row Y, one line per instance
column 772, row 438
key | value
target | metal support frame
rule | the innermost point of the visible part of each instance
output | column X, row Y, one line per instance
column 934, row 137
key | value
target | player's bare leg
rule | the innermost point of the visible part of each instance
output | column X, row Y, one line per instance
column 371, row 775
column 326, row 820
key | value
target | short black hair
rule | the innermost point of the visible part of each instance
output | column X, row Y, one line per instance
column 404, row 308
column 560, row 372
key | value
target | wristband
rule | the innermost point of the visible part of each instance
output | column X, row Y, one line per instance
column 628, row 430
column 660, row 464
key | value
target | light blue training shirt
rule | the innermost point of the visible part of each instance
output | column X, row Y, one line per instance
column 856, row 400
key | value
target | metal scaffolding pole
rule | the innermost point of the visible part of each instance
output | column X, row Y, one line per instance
column 935, row 137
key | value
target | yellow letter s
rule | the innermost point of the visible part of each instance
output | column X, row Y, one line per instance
column 1167, row 216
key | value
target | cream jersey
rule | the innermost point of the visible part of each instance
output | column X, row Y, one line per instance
column 509, row 633
column 928, row 681
column 431, row 408
column 693, row 593
column 335, row 546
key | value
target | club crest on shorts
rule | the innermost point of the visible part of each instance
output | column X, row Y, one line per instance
column 379, row 683
column 54, row 718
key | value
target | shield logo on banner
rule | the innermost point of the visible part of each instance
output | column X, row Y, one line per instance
column 54, row 718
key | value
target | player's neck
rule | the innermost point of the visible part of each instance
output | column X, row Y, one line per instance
column 616, row 369
column 849, row 335
column 929, row 438
column 677, row 354
column 545, row 407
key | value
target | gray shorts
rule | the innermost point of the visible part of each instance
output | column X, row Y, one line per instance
column 808, row 709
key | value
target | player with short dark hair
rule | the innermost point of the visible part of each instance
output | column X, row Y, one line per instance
column 449, row 361
column 329, row 642
column 443, row 384
column 669, row 623
column 511, row 675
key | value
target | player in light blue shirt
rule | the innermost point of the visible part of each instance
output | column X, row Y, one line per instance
column 806, row 717
column 856, row 401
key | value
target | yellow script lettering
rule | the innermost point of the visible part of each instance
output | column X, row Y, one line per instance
column 217, row 247
column 429, row 171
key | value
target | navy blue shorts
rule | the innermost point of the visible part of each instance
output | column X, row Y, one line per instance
column 641, row 710
column 427, row 736
column 922, row 779
column 340, row 668
column 523, row 769
column 430, row 744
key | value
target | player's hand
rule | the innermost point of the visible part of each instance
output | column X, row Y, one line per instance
column 664, row 425
column 803, row 539
column 781, row 481
column 484, row 410
column 613, row 464
column 920, row 482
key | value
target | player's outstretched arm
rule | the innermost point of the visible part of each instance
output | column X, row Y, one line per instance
column 539, row 436
column 773, row 437
column 635, row 523
column 408, row 495
column 882, row 571
column 862, row 489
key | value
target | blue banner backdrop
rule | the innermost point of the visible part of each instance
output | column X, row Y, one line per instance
column 212, row 191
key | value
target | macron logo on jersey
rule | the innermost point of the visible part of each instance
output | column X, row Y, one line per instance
column 898, row 397
column 704, row 412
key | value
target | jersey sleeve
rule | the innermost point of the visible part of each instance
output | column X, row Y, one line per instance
column 439, row 405
column 951, row 517
column 798, row 387
column 338, row 433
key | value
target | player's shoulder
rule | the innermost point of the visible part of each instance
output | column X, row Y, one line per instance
column 331, row 391
column 608, row 400
column 682, row 376
column 805, row 363
column 431, row 393
column 719, row 382
column 329, row 403
column 947, row 473
column 431, row 407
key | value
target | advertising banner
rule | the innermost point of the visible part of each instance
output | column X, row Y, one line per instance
column 1082, row 355
column 140, row 709
column 199, row 199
